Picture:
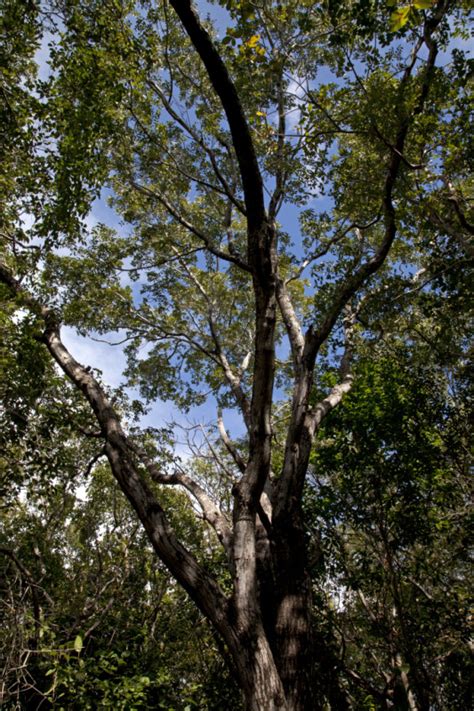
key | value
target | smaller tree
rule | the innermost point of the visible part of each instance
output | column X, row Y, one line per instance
column 391, row 493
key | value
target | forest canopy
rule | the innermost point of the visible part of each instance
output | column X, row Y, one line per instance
column 259, row 214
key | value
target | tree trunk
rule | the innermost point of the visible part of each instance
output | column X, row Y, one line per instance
column 252, row 664
column 293, row 633
column 261, row 683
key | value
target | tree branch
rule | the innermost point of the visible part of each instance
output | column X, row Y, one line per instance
column 304, row 421
column 234, row 453
column 275, row 200
column 211, row 512
column 314, row 339
column 190, row 227
column 290, row 319
column 225, row 89
column 226, row 189
column 118, row 448
column 317, row 254
column 233, row 380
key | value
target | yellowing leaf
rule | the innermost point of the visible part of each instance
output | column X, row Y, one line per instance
column 423, row 4
column 253, row 41
column 261, row 113
column 78, row 643
column 399, row 18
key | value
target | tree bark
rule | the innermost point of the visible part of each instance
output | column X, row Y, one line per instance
column 293, row 629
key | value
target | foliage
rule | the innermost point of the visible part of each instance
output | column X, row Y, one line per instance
column 391, row 494
column 113, row 631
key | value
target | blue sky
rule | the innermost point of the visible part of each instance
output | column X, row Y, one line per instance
column 110, row 359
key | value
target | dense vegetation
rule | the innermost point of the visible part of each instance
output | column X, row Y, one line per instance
column 287, row 266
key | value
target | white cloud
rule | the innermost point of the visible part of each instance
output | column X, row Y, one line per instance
column 110, row 360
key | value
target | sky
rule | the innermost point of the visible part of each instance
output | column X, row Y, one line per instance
column 110, row 360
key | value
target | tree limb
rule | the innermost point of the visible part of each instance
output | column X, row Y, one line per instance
column 211, row 512
column 225, row 89
column 304, row 421
column 190, row 227
column 118, row 448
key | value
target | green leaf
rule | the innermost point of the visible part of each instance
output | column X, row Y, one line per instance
column 78, row 643
column 399, row 18
column 423, row 4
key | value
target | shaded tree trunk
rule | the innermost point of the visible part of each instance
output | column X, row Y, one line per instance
column 293, row 634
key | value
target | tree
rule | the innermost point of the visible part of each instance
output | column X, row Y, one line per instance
column 390, row 498
column 196, row 137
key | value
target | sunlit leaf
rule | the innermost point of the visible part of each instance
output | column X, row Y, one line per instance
column 399, row 18
column 253, row 41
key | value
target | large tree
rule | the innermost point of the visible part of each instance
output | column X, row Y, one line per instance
column 211, row 139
